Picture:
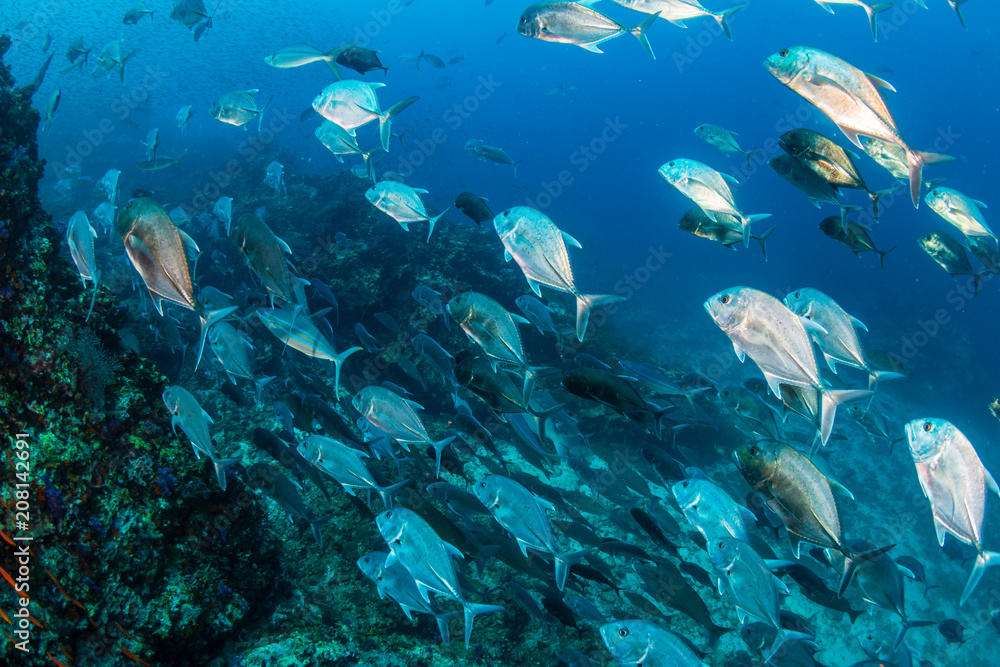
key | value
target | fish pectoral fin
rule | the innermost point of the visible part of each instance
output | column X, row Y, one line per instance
column 535, row 286
column 858, row 323
column 740, row 354
column 978, row 203
column 569, row 240
column 773, row 383
column 879, row 82
column 728, row 177
column 518, row 319
column 940, row 529
column 507, row 256
column 840, row 488
column 521, row 543
column 812, row 327
column 452, row 550
column 831, row 362
column 991, row 483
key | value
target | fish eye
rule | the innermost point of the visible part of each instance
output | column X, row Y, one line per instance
column 388, row 515
column 686, row 484
column 722, row 544
column 623, row 632
column 928, row 427
column 798, row 295
column 724, row 299
column 783, row 53
column 753, row 450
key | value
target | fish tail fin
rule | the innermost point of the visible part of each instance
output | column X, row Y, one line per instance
column 874, row 377
column 438, row 450
column 419, row 58
column 640, row 33
column 762, row 240
column 121, row 68
column 387, row 492
column 749, row 154
column 207, row 320
column 260, row 116
column 844, row 210
column 433, row 222
column 333, row 54
column 876, row 196
column 882, row 254
column 220, row 469
column 369, row 165
column 338, row 362
column 747, row 221
column 873, row 11
column 907, row 624
column 831, row 399
column 722, row 18
column 781, row 638
column 957, row 6
column 93, row 297
column 471, row 611
column 915, row 161
column 851, row 563
column 984, row 560
column 564, row 561
column 584, row 304
column 385, row 120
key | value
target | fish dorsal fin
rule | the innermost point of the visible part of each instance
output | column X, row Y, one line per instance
column 990, row 482
column 812, row 327
column 545, row 504
column 880, row 83
column 452, row 551
column 518, row 319
column 569, row 240
column 840, row 488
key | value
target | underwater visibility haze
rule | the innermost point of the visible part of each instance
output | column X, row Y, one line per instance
column 424, row 332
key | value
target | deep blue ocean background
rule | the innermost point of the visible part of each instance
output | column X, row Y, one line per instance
column 543, row 103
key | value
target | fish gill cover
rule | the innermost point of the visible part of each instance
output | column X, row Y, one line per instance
column 343, row 333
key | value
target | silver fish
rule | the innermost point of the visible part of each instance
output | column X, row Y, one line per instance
column 679, row 11
column 522, row 514
column 397, row 418
column 346, row 465
column 850, row 98
column 239, row 108
column 707, row 188
column 764, row 329
column 532, row 240
column 637, row 642
column 838, row 339
column 414, row 544
column 351, row 104
column 711, row 510
column 80, row 237
column 194, row 421
column 402, row 203
column 753, row 586
column 396, row 582
column 155, row 247
column 960, row 210
column 576, row 23
column 955, row 482
column 298, row 332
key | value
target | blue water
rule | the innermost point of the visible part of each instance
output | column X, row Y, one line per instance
column 548, row 105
